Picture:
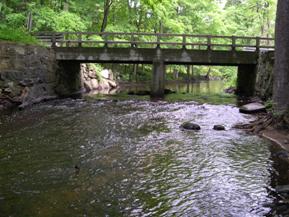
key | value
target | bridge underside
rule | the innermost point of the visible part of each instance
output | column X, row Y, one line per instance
column 246, row 62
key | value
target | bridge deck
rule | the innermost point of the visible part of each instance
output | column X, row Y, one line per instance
column 147, row 47
column 147, row 56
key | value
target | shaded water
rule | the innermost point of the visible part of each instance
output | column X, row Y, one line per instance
column 203, row 91
column 196, row 88
column 130, row 158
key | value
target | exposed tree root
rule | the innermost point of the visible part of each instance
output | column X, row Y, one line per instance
column 9, row 99
column 256, row 126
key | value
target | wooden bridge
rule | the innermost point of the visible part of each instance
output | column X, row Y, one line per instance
column 72, row 48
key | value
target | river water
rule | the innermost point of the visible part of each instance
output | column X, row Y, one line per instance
column 130, row 158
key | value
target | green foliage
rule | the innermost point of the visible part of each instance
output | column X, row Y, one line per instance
column 15, row 20
column 9, row 34
column 97, row 68
column 269, row 104
column 47, row 19
column 67, row 21
column 254, row 17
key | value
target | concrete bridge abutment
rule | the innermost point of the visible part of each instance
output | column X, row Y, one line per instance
column 158, row 79
column 246, row 80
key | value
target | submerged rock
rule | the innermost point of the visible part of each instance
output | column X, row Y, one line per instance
column 139, row 93
column 282, row 189
column 230, row 90
column 26, row 83
column 281, row 154
column 169, row 91
column 252, row 108
column 147, row 92
column 219, row 127
column 190, row 126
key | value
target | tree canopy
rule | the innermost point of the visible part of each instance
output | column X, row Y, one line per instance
column 227, row 17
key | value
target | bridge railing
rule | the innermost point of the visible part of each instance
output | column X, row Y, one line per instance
column 153, row 40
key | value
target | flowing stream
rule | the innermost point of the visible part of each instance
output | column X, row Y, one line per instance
column 130, row 158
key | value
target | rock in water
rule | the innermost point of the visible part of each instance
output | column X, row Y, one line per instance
column 230, row 90
column 252, row 108
column 168, row 91
column 282, row 189
column 190, row 126
column 219, row 127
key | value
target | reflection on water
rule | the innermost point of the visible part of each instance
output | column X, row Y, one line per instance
column 133, row 160
column 203, row 92
column 201, row 87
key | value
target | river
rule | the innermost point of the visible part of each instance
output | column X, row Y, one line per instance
column 130, row 158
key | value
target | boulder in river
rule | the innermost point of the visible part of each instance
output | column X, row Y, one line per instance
column 252, row 108
column 190, row 126
column 219, row 127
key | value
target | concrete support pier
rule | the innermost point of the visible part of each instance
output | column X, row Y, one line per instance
column 246, row 80
column 158, row 79
column 69, row 79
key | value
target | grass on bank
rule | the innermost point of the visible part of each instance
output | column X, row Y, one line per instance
column 16, row 35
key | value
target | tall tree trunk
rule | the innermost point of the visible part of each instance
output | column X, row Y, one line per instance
column 281, row 69
column 135, row 69
column 188, row 73
column 65, row 5
column 192, row 73
column 207, row 76
column 106, row 8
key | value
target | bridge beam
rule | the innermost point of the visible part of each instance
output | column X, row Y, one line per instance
column 69, row 79
column 246, row 80
column 158, row 79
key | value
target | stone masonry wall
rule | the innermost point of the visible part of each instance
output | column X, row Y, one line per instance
column 264, row 81
column 27, row 74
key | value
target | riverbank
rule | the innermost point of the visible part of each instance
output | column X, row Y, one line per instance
column 280, row 137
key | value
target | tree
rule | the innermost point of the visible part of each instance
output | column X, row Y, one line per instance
column 106, row 8
column 281, row 70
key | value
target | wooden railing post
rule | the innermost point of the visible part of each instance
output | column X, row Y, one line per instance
column 79, row 39
column 105, row 40
column 158, row 40
column 184, row 41
column 133, row 44
column 209, row 42
column 67, row 40
column 53, row 40
column 257, row 44
column 233, row 43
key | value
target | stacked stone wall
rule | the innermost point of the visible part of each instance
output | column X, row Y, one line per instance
column 27, row 74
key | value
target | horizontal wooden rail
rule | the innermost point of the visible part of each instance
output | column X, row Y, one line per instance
column 147, row 40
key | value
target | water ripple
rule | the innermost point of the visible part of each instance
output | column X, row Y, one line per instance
column 133, row 160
